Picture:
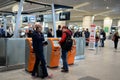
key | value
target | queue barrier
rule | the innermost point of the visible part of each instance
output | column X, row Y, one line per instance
column 80, row 48
column 12, row 53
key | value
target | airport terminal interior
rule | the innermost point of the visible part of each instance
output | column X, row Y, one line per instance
column 94, row 24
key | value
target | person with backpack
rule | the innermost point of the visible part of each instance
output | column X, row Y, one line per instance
column 66, row 45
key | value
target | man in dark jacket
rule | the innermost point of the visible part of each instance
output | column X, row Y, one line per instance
column 64, row 51
column 77, row 34
column 102, row 37
column 87, row 35
column 59, row 31
column 37, row 40
column 49, row 33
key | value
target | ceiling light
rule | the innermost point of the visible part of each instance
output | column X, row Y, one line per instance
column 81, row 5
column 76, row 16
column 103, row 13
column 81, row 10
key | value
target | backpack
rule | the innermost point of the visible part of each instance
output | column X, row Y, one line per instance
column 67, row 45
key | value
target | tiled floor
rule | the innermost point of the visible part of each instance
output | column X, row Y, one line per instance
column 105, row 65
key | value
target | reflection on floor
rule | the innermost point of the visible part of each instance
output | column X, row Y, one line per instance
column 105, row 65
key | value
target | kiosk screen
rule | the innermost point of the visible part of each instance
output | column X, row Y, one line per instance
column 55, row 42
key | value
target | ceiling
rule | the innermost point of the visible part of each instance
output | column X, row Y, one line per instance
column 98, row 8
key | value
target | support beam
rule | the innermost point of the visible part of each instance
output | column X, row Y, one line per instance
column 54, row 21
column 37, row 3
column 16, row 32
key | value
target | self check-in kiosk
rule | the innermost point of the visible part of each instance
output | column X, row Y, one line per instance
column 71, row 54
column 53, row 52
column 29, row 55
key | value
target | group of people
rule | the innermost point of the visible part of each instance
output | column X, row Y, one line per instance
column 82, row 33
column 100, row 36
column 63, row 32
column 58, row 32
column 38, row 39
column 49, row 32
column 6, row 34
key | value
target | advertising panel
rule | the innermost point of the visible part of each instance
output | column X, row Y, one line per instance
column 92, row 37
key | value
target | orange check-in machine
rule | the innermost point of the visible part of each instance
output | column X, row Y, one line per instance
column 29, row 55
column 71, row 54
column 53, row 52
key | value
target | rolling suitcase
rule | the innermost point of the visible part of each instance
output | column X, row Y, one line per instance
column 40, row 73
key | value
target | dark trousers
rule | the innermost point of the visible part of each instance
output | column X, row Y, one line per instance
column 115, row 44
column 102, row 42
column 64, row 59
column 40, row 60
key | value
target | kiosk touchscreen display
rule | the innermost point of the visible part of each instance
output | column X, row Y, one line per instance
column 55, row 42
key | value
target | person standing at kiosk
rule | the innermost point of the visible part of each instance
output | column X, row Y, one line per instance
column 38, row 44
column 65, row 32
column 59, row 31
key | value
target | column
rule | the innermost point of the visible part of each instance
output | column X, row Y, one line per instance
column 16, row 31
column 118, row 23
column 107, row 24
column 54, row 20
column 119, row 26
column 87, row 21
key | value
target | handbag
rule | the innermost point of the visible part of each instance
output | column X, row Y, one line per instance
column 113, row 38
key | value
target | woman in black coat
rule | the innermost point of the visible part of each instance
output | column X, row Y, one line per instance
column 116, row 39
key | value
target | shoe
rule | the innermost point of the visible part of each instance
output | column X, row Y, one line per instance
column 33, row 76
column 49, row 76
column 62, row 68
column 65, row 70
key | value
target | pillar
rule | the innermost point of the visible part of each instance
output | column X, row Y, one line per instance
column 87, row 21
column 118, row 23
column 16, row 31
column 107, row 24
column 54, row 20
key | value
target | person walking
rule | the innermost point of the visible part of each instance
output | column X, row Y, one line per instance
column 65, row 32
column 102, row 37
column 116, row 39
column 87, row 35
column 38, row 44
